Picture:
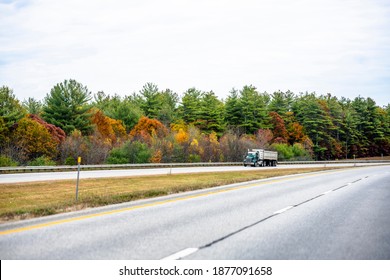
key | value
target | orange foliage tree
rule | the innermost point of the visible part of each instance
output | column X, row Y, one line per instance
column 296, row 133
column 107, row 127
column 146, row 128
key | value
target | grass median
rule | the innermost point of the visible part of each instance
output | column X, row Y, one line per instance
column 28, row 200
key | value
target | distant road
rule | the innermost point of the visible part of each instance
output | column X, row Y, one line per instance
column 337, row 214
column 46, row 176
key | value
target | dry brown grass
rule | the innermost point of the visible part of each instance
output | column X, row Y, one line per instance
column 26, row 200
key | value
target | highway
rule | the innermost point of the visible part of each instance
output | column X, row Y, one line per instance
column 336, row 214
column 71, row 175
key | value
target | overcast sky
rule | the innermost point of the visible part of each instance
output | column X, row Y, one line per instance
column 116, row 46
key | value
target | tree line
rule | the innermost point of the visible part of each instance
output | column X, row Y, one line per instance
column 155, row 125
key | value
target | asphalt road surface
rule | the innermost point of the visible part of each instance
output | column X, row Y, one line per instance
column 71, row 175
column 339, row 214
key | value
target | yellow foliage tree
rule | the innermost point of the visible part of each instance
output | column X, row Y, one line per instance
column 33, row 140
column 182, row 136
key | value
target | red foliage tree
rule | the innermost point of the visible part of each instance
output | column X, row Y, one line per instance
column 57, row 133
column 279, row 129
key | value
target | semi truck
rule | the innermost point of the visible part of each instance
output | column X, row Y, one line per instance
column 260, row 157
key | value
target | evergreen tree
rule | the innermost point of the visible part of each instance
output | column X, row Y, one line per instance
column 309, row 113
column 67, row 107
column 233, row 110
column 281, row 102
column 349, row 128
column 126, row 109
column 253, row 109
column 150, row 100
column 167, row 111
column 211, row 114
column 190, row 105
column 160, row 105
column 370, row 126
column 33, row 106
column 10, row 108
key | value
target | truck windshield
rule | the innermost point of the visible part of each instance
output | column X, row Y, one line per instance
column 250, row 155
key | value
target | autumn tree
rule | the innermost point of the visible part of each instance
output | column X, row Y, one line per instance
column 146, row 128
column 108, row 128
column 278, row 128
column 230, row 147
column 56, row 133
column 264, row 138
column 211, row 151
column 33, row 140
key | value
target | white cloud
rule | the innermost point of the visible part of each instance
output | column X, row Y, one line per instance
column 333, row 46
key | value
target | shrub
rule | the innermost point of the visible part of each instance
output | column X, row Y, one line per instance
column 42, row 161
column 130, row 152
column 70, row 161
column 118, row 156
column 7, row 161
column 294, row 152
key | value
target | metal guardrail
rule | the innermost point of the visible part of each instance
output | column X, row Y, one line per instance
column 64, row 168
column 59, row 168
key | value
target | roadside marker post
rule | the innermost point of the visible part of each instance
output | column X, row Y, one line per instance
column 78, row 177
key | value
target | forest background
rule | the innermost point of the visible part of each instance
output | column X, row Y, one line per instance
column 158, row 126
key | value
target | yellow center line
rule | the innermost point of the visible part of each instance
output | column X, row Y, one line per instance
column 84, row 217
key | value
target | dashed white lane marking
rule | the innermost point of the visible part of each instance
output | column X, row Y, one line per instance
column 327, row 192
column 181, row 254
column 283, row 210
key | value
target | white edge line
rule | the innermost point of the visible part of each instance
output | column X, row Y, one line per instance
column 181, row 254
column 283, row 210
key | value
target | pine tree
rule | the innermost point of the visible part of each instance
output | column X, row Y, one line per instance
column 309, row 113
column 33, row 106
column 150, row 100
column 167, row 111
column 281, row 102
column 67, row 107
column 211, row 114
column 254, row 111
column 190, row 105
column 233, row 110
column 10, row 108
